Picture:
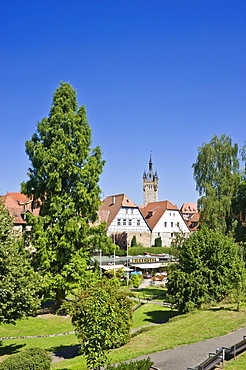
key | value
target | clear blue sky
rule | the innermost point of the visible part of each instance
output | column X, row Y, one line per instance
column 154, row 75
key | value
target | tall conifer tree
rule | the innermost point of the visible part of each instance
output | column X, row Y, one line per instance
column 64, row 176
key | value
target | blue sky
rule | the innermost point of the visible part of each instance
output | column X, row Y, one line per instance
column 154, row 75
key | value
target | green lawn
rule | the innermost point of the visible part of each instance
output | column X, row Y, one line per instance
column 151, row 313
column 158, row 294
column 238, row 364
column 180, row 330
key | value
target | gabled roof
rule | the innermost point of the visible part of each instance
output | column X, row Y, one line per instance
column 188, row 208
column 152, row 212
column 15, row 202
column 19, row 197
column 111, row 206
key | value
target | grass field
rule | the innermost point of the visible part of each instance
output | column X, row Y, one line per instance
column 180, row 330
column 238, row 364
column 150, row 292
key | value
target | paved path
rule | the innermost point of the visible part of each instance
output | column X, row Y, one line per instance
column 193, row 354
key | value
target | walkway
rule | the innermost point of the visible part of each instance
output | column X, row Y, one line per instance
column 193, row 354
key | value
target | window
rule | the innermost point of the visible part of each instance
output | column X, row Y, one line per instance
column 124, row 222
column 130, row 222
column 165, row 224
column 118, row 222
column 171, row 224
column 138, row 222
column 126, row 211
column 159, row 234
column 173, row 214
column 177, row 224
column 171, row 235
column 170, row 214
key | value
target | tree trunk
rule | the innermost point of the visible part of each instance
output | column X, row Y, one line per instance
column 60, row 297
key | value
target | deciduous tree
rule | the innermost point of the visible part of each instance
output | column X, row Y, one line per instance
column 102, row 319
column 64, row 177
column 217, row 176
column 207, row 271
column 18, row 282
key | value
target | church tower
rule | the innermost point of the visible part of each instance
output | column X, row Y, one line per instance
column 150, row 185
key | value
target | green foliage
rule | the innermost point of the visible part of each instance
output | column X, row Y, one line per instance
column 102, row 319
column 134, row 241
column 144, row 364
column 18, row 282
column 135, row 280
column 239, row 212
column 30, row 359
column 177, row 242
column 64, row 177
column 210, row 266
column 217, row 176
column 158, row 242
column 135, row 251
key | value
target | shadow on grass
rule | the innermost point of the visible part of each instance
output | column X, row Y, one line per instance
column 66, row 352
column 159, row 317
column 222, row 308
column 11, row 349
column 142, row 330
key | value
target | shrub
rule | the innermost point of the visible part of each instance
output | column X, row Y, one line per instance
column 144, row 364
column 158, row 242
column 135, row 280
column 134, row 241
column 30, row 359
column 135, row 251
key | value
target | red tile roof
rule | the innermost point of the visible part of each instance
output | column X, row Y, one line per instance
column 20, row 198
column 111, row 206
column 152, row 212
column 188, row 208
column 16, row 205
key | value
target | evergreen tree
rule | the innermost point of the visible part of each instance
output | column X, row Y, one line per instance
column 64, row 177
column 18, row 281
column 134, row 241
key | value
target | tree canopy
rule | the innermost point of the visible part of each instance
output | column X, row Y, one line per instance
column 18, row 282
column 217, row 176
column 210, row 266
column 63, row 177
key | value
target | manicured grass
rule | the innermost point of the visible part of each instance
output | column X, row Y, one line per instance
column 151, row 292
column 238, row 364
column 151, row 313
column 39, row 325
column 180, row 330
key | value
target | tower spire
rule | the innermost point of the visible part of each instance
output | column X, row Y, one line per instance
column 150, row 184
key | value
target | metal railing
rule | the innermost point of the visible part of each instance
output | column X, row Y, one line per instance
column 221, row 355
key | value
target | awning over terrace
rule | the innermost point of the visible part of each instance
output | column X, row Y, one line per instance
column 115, row 267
